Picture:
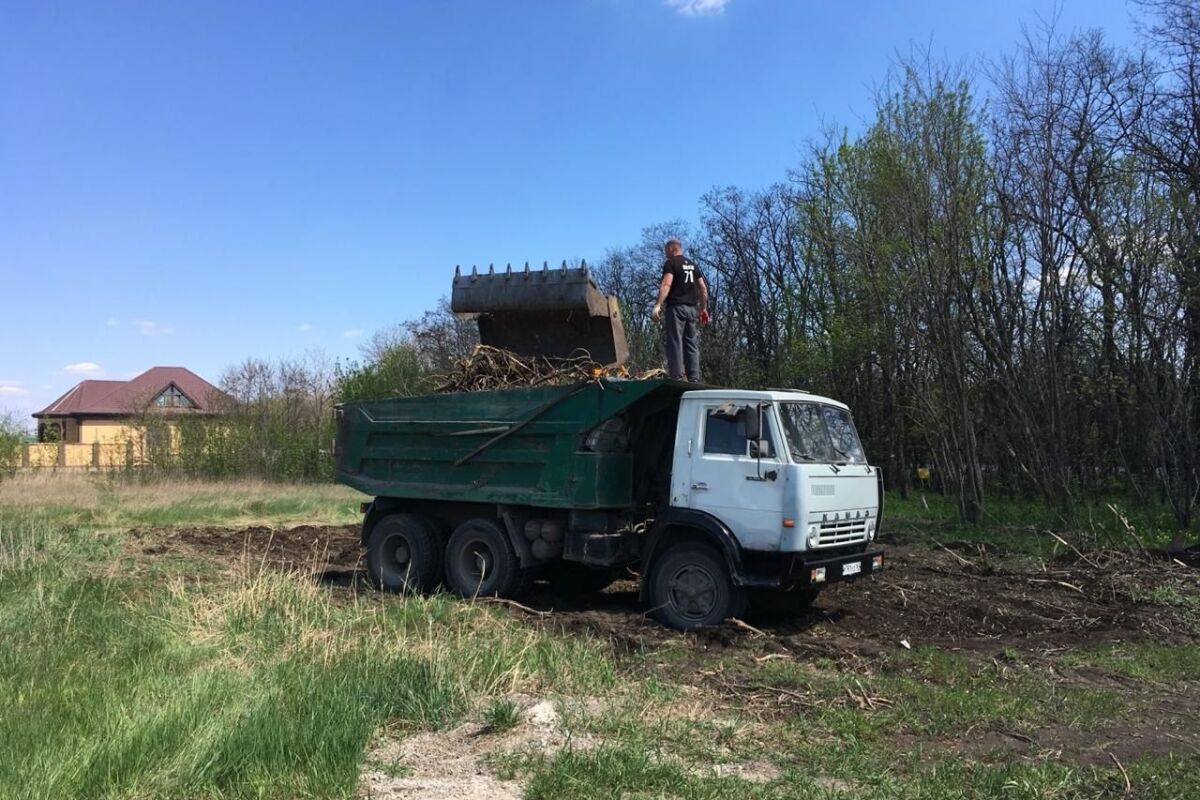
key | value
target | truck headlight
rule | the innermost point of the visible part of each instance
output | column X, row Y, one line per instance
column 871, row 531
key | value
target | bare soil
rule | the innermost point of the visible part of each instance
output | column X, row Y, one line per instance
column 453, row 764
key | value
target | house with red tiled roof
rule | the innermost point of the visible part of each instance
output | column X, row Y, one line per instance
column 113, row 412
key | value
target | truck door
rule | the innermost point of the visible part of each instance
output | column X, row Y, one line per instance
column 730, row 482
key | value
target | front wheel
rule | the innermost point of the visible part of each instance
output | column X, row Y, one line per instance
column 690, row 587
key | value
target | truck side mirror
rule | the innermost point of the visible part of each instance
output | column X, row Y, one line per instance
column 753, row 422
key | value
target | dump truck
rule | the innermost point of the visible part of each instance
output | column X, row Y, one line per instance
column 708, row 495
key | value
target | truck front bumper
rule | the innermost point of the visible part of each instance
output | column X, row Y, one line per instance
column 806, row 568
column 819, row 571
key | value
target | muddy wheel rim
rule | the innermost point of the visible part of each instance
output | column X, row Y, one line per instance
column 398, row 558
column 401, row 555
column 693, row 591
column 476, row 563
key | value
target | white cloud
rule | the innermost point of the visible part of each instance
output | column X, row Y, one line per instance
column 12, row 391
column 83, row 368
column 148, row 327
column 112, row 322
column 304, row 327
column 698, row 8
column 350, row 334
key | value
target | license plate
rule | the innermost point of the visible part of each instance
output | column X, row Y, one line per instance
column 853, row 568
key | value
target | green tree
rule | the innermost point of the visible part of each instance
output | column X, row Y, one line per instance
column 13, row 434
column 395, row 371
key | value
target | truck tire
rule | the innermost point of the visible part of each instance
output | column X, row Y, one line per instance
column 690, row 587
column 404, row 554
column 481, row 561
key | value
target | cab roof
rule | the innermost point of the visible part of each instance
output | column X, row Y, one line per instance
column 767, row 395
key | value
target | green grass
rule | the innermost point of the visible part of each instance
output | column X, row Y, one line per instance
column 177, row 677
column 612, row 772
column 1021, row 526
column 501, row 715
column 925, row 700
column 259, row 685
column 276, row 694
column 1150, row 662
column 830, row 754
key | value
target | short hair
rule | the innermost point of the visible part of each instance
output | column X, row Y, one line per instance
column 673, row 245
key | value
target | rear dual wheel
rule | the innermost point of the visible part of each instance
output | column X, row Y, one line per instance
column 404, row 554
column 481, row 561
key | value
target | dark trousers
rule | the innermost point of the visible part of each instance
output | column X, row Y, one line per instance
column 681, row 328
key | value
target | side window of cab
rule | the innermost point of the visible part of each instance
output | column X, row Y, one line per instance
column 725, row 434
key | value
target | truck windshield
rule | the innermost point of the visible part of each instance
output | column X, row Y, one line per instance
column 821, row 433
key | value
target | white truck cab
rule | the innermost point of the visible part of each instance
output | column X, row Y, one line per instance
column 780, row 481
column 803, row 484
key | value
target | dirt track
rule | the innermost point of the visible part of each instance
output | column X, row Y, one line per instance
column 964, row 601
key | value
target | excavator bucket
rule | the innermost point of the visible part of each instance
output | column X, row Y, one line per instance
column 554, row 313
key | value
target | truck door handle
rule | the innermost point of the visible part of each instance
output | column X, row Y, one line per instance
column 700, row 487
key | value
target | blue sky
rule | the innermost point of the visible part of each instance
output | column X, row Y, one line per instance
column 196, row 183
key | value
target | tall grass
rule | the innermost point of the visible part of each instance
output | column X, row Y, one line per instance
column 1024, row 525
column 264, row 684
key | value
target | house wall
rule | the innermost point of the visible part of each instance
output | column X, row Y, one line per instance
column 108, row 431
column 77, row 455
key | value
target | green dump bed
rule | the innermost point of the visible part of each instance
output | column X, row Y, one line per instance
column 516, row 446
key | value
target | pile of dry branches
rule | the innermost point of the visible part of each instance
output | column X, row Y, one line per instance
column 491, row 368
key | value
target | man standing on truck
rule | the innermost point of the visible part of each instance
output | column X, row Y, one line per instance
column 685, row 295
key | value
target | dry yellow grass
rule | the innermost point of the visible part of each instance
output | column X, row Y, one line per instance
column 105, row 502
